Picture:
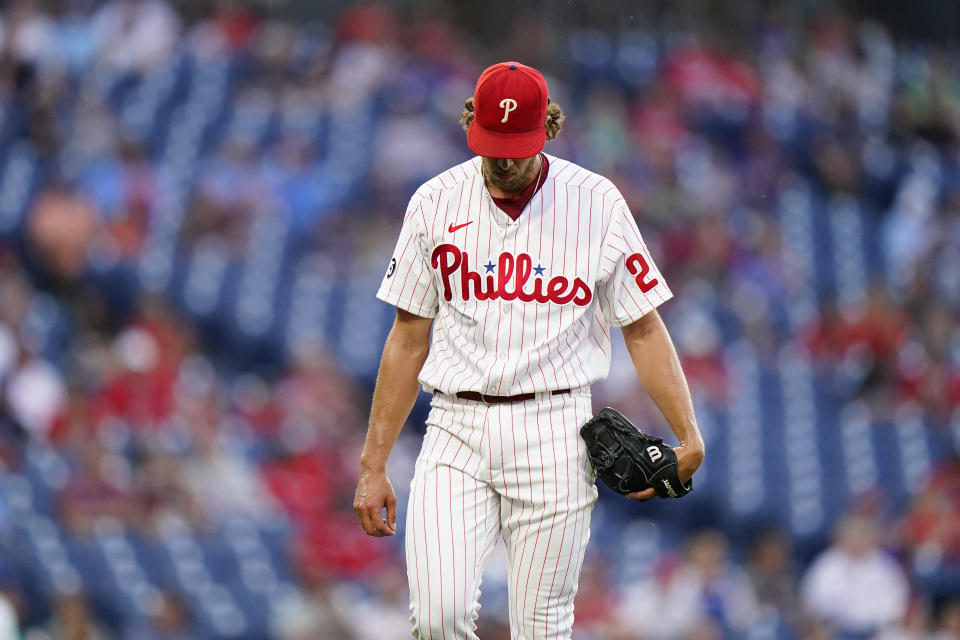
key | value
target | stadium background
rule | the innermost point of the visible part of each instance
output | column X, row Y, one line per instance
column 198, row 200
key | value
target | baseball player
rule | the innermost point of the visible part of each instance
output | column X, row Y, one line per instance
column 509, row 270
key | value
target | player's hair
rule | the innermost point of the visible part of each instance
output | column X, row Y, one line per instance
column 553, row 111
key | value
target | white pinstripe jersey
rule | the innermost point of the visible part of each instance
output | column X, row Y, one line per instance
column 520, row 306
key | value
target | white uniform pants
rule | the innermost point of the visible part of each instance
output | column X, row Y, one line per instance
column 519, row 471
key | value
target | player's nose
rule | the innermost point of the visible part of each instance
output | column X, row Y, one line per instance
column 504, row 164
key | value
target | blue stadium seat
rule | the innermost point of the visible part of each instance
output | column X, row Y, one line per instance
column 745, row 431
column 18, row 181
column 849, row 253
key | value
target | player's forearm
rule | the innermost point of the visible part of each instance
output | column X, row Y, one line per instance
column 394, row 395
column 658, row 368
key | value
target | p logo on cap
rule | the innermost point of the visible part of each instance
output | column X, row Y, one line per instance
column 509, row 109
column 508, row 105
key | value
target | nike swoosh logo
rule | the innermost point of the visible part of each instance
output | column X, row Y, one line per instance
column 452, row 228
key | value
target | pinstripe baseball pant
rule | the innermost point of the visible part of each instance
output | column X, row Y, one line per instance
column 519, row 471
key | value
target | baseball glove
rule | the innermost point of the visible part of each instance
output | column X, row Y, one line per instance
column 628, row 459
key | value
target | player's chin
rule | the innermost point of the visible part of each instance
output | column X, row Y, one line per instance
column 505, row 182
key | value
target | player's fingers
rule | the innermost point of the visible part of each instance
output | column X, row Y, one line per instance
column 646, row 494
column 370, row 519
column 376, row 523
column 364, row 519
column 380, row 525
column 387, row 529
column 392, row 514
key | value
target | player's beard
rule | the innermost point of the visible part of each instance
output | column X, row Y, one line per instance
column 517, row 178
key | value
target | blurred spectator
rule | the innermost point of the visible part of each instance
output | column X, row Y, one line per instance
column 698, row 345
column 138, row 391
column 366, row 56
column 862, row 343
column 28, row 71
column 101, row 484
column 327, row 537
column 9, row 624
column 691, row 597
column 238, row 22
column 229, row 189
column 313, row 612
column 915, row 624
column 383, row 612
column 61, row 226
column 932, row 525
column 223, row 483
column 72, row 620
column 35, row 393
column 26, row 34
column 78, row 39
column 854, row 585
column 290, row 174
column 596, row 601
column 125, row 189
column 317, row 391
column 136, row 35
column 171, row 622
column 25, row 47
column 159, row 491
column 948, row 620
column 412, row 146
column 771, row 570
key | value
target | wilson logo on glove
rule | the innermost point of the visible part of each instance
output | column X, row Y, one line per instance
column 670, row 491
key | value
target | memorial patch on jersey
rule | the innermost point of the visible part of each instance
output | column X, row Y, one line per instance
column 512, row 280
column 392, row 268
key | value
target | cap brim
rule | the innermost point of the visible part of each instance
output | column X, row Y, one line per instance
column 494, row 144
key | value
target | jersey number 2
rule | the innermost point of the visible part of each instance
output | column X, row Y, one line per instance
column 638, row 266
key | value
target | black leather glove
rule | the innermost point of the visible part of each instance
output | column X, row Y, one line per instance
column 627, row 459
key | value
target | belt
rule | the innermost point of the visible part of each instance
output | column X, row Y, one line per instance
column 485, row 399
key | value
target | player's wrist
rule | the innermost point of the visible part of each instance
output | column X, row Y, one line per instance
column 692, row 441
column 373, row 464
column 692, row 452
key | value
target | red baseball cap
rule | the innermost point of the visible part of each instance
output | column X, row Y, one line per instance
column 509, row 112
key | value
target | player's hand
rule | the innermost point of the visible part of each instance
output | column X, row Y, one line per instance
column 374, row 495
column 689, row 459
column 640, row 496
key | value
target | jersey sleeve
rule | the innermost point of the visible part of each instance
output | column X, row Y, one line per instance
column 408, row 283
column 631, row 284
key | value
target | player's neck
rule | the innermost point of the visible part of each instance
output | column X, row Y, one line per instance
column 533, row 175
